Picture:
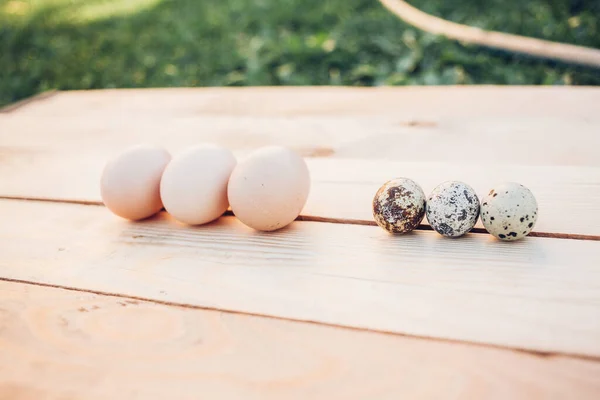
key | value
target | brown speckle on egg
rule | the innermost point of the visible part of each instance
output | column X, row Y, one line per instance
column 399, row 205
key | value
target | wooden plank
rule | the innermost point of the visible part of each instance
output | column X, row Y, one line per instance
column 482, row 125
column 59, row 344
column 481, row 135
column 538, row 294
column 568, row 197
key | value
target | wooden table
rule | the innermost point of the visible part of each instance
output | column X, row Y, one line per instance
column 332, row 307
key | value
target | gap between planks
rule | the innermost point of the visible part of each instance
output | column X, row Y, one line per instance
column 309, row 218
column 541, row 354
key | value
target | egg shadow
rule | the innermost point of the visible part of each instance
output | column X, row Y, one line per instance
column 486, row 251
column 239, row 244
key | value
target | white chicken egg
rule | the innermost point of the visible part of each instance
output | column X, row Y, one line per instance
column 269, row 188
column 130, row 182
column 194, row 185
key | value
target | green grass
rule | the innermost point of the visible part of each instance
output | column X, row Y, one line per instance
column 82, row 44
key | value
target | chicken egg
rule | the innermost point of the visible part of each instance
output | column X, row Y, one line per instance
column 269, row 188
column 194, row 184
column 130, row 182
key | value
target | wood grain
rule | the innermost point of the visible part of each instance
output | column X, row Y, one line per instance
column 537, row 294
column 58, row 344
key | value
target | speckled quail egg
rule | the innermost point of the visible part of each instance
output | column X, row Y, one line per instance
column 399, row 205
column 509, row 211
column 452, row 208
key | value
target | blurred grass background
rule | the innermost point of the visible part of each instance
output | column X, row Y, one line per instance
column 83, row 44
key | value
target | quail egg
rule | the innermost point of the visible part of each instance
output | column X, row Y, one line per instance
column 509, row 211
column 452, row 208
column 399, row 205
